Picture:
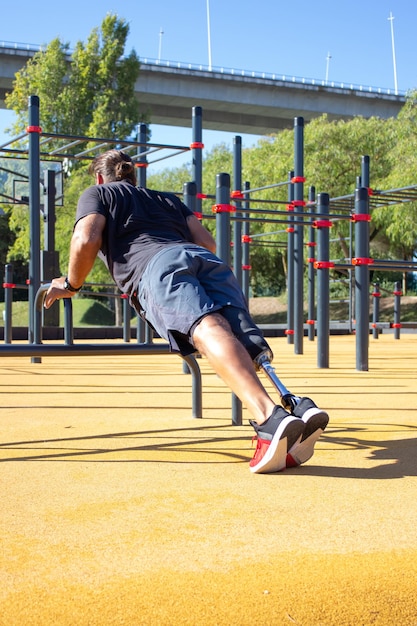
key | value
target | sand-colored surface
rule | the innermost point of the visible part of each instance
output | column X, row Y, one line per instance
column 118, row 508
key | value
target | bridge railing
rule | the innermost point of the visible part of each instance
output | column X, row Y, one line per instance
column 195, row 67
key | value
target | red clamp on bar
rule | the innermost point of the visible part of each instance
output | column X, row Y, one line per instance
column 310, row 322
column 9, row 285
column 397, row 293
column 237, row 194
column 198, row 215
column 376, row 294
column 395, row 325
column 289, row 332
column 311, row 244
column 360, row 217
column 298, row 179
column 370, row 191
column 196, row 144
column 33, row 129
column 27, row 281
column 201, row 196
column 290, row 229
column 373, row 325
column 298, row 203
column 322, row 224
column 124, row 296
column 246, row 267
column 141, row 164
column 323, row 265
column 246, row 239
column 223, row 208
column 290, row 207
column 311, row 260
column 362, row 261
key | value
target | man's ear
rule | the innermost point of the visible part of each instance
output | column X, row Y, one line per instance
column 99, row 179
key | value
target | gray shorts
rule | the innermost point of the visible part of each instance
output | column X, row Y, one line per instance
column 179, row 286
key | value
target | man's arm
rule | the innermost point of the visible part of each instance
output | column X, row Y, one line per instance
column 200, row 235
column 85, row 244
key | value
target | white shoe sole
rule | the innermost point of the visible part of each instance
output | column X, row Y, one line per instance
column 316, row 421
column 287, row 434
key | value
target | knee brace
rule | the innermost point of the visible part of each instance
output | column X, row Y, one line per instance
column 245, row 329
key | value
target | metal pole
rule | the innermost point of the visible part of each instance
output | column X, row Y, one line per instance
column 34, row 131
column 223, row 251
column 397, row 309
column 197, row 152
column 299, row 236
column 375, row 311
column 391, row 19
column 311, row 272
column 143, row 331
column 361, row 263
column 237, row 224
column 223, row 217
column 245, row 248
column 8, row 299
column 290, row 264
column 208, row 34
column 323, row 288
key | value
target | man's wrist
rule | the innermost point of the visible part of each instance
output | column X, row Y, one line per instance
column 69, row 287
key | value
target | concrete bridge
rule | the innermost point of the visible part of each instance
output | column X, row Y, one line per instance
column 237, row 101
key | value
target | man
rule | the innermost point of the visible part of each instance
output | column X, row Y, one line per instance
column 163, row 258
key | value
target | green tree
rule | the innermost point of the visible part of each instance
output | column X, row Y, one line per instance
column 91, row 93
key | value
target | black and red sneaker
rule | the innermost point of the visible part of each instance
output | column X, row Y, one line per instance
column 275, row 437
column 315, row 421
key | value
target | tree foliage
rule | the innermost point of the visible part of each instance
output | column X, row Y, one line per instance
column 89, row 92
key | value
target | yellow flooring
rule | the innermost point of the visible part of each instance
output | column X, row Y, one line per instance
column 118, row 508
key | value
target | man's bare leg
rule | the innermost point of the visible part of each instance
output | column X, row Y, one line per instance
column 214, row 339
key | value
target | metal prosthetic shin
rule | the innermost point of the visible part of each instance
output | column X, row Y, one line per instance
column 288, row 400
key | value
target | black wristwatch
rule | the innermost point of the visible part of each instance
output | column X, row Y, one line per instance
column 69, row 287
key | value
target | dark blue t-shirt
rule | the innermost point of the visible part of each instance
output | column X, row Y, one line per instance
column 140, row 222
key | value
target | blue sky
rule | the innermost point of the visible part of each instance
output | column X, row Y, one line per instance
column 267, row 36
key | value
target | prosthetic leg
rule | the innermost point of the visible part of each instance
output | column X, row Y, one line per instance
column 288, row 400
column 245, row 329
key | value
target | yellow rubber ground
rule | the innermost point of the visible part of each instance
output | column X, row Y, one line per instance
column 118, row 508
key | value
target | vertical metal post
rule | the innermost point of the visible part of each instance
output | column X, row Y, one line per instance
column 126, row 319
column 290, row 263
column 190, row 195
column 49, row 256
column 197, row 152
column 237, row 224
column 144, row 333
column 397, row 309
column 223, row 251
column 68, row 322
column 142, row 163
column 323, row 287
column 375, row 311
column 245, row 245
column 190, row 200
column 299, row 236
column 361, row 262
column 311, row 272
column 223, row 217
column 8, row 299
column 34, row 131
column 365, row 171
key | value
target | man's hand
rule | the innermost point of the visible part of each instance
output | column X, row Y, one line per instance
column 57, row 291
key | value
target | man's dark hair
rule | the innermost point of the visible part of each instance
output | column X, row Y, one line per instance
column 114, row 165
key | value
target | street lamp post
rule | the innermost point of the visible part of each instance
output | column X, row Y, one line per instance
column 391, row 19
